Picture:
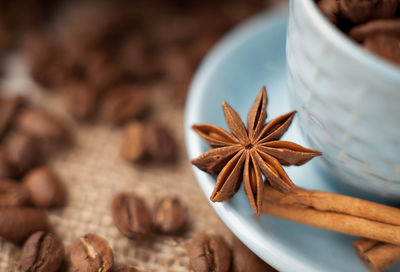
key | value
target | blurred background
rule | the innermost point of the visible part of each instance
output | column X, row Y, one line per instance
column 95, row 67
column 104, row 43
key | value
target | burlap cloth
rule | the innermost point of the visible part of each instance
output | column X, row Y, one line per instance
column 93, row 171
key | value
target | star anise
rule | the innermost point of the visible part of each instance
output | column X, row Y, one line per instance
column 245, row 153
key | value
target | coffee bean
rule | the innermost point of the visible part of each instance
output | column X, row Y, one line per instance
column 128, row 269
column 357, row 11
column 5, row 39
column 8, row 109
column 176, row 30
column 7, row 169
column 43, row 125
column 133, row 142
column 103, row 73
column 143, row 142
column 91, row 253
column 209, row 253
column 160, row 144
column 44, row 59
column 45, row 188
column 24, row 152
column 123, row 103
column 330, row 8
column 374, row 27
column 176, row 65
column 42, row 252
column 134, row 56
column 245, row 260
column 79, row 100
column 385, row 9
column 169, row 215
column 12, row 194
column 17, row 224
column 130, row 215
column 386, row 46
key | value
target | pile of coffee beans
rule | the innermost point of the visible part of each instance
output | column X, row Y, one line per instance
column 375, row 24
column 136, row 221
column 106, row 60
column 44, row 251
column 212, row 253
column 169, row 216
column 29, row 136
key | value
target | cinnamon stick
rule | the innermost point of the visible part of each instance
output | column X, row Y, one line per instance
column 325, row 201
column 338, row 222
column 336, row 216
column 377, row 256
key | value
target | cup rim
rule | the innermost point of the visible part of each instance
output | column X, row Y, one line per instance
column 349, row 47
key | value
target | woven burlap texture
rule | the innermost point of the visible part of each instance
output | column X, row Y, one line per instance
column 93, row 171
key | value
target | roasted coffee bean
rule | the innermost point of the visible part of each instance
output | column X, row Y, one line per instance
column 123, row 103
column 176, row 30
column 135, row 57
column 42, row 252
column 43, row 125
column 133, row 142
column 176, row 65
column 12, row 194
column 128, row 269
column 24, row 152
column 360, row 11
column 330, row 8
column 160, row 144
column 18, row 223
column 45, row 62
column 79, row 100
column 209, row 253
column 5, row 38
column 8, row 109
column 357, row 11
column 169, row 215
column 91, row 253
column 385, row 8
column 45, row 188
column 131, row 215
column 245, row 260
column 49, row 75
column 386, row 46
column 381, row 26
column 102, row 73
column 7, row 169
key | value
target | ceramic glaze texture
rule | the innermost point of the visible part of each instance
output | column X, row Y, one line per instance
column 348, row 101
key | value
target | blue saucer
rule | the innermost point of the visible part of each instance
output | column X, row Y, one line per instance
column 250, row 56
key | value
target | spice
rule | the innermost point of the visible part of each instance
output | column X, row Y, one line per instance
column 377, row 256
column 246, row 153
column 335, row 212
